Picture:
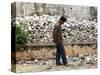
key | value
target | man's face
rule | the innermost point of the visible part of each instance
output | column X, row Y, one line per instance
column 61, row 22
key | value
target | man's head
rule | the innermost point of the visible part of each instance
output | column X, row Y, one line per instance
column 62, row 20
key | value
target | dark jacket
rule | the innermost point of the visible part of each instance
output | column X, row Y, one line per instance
column 57, row 34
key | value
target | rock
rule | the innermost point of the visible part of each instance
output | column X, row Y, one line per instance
column 76, row 58
column 22, row 61
column 19, row 62
column 82, row 56
column 24, row 64
column 28, row 62
column 44, row 63
column 69, row 59
column 74, row 63
column 78, row 62
column 36, row 60
column 90, row 60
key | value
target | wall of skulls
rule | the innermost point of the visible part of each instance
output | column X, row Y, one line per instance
column 40, row 29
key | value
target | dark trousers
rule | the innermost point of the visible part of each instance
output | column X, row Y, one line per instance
column 60, row 53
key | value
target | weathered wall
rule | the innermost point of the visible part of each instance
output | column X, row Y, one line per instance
column 45, row 52
column 80, row 12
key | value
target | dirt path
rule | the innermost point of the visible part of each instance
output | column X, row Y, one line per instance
column 42, row 68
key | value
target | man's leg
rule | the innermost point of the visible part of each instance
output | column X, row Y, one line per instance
column 63, row 55
column 57, row 55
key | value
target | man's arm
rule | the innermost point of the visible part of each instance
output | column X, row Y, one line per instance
column 54, row 34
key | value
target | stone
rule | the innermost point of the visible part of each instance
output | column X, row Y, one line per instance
column 69, row 59
column 73, row 63
column 44, row 63
column 81, row 55
column 19, row 62
column 36, row 60
column 76, row 59
column 28, row 62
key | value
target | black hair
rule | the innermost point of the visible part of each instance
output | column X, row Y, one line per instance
column 63, row 18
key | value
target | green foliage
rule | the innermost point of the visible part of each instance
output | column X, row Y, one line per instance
column 21, row 36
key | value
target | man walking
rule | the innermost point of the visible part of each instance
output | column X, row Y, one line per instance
column 57, row 39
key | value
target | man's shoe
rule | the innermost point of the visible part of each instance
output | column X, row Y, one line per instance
column 58, row 64
column 66, row 65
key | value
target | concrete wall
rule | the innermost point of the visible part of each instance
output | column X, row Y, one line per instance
column 80, row 12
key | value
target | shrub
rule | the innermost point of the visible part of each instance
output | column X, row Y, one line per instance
column 21, row 37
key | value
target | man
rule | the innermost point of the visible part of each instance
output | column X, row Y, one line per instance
column 57, row 39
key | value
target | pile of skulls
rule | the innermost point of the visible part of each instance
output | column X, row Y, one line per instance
column 40, row 29
column 77, row 31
